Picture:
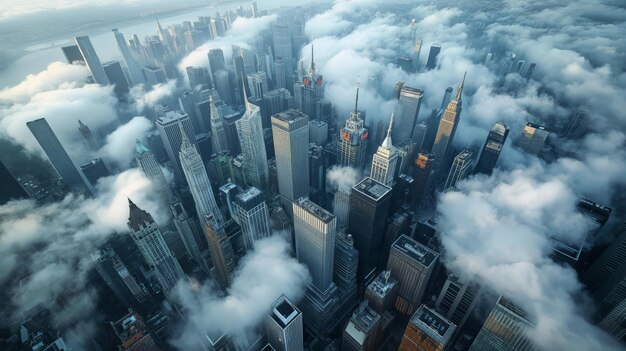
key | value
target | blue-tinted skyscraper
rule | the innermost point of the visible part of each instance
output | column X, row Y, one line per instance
column 92, row 60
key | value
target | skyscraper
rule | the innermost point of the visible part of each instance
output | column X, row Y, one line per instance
column 94, row 170
column 369, row 205
column 447, row 128
column 457, row 299
column 362, row 331
column 505, row 329
column 168, row 127
column 408, row 109
column 134, row 68
column 10, row 189
column 115, row 75
column 133, row 334
column 290, row 130
column 533, row 138
column 416, row 54
column 385, row 159
column 198, row 180
column 221, row 251
column 354, row 137
column 341, row 203
column 151, row 168
column 251, row 213
column 250, row 131
column 117, row 277
column 185, row 228
column 57, row 155
column 283, row 326
column 461, row 168
column 422, row 179
column 318, row 132
column 148, row 238
column 88, row 138
column 72, row 55
column 312, row 91
column 345, row 266
column 219, row 140
column 92, row 60
column 257, row 83
column 431, row 63
column 382, row 292
column 427, row 331
column 492, row 148
column 281, row 36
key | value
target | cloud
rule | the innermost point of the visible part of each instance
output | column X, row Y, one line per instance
column 150, row 98
column 120, row 146
column 343, row 176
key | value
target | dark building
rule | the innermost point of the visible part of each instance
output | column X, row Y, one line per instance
column 362, row 331
column 230, row 128
column 72, row 54
column 382, row 293
column 199, row 78
column 10, row 189
column 114, row 72
column 422, row 179
column 431, row 63
column 397, row 225
column 492, row 148
column 94, row 170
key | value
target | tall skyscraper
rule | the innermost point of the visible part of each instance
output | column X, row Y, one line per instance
column 94, row 170
column 185, row 228
column 10, row 189
column 72, row 55
column 283, row 326
column 533, row 138
column 250, row 131
column 117, row 277
column 221, row 251
column 134, row 68
column 492, row 148
column 318, row 132
column 427, row 331
column 148, row 238
column 290, row 130
column 312, row 91
column 252, row 214
column 257, row 83
column 369, row 205
column 407, row 110
column 151, row 168
column 431, row 63
column 115, row 75
column 447, row 128
column 168, row 127
column 382, row 292
column 384, row 160
column 220, row 142
column 461, row 168
column 91, row 59
column 345, row 266
column 457, row 299
column 412, row 264
column 57, row 155
column 422, row 184
column 341, row 203
column 416, row 54
column 362, row 333
column 354, row 137
column 505, row 329
column 88, row 137
column 198, row 180
column 281, row 36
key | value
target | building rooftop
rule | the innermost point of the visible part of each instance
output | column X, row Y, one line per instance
column 171, row 117
column 317, row 123
column 283, row 311
column 410, row 90
column 433, row 324
column 536, row 126
column 372, row 188
column 315, row 209
column 507, row 304
column 290, row 119
column 363, row 320
column 415, row 250
column 383, row 284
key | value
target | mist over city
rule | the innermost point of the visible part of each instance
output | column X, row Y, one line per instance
column 346, row 175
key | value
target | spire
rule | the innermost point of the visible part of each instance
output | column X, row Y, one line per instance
column 214, row 113
column 460, row 89
column 245, row 96
column 80, row 123
column 185, row 139
column 387, row 144
column 312, row 66
column 356, row 102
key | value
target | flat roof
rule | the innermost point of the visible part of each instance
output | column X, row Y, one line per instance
column 433, row 324
column 315, row 209
column 283, row 311
column 372, row 188
column 383, row 284
column 415, row 250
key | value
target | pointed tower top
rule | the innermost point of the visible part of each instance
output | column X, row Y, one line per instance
column 245, row 96
column 312, row 67
column 460, row 89
column 356, row 102
column 80, row 123
column 387, row 143
column 130, row 202
column 214, row 112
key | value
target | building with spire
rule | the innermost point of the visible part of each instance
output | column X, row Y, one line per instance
column 148, row 238
column 310, row 91
column 461, row 168
column 385, row 160
column 250, row 131
column 198, row 180
column 354, row 137
column 151, row 168
column 219, row 140
column 90, row 140
column 447, row 128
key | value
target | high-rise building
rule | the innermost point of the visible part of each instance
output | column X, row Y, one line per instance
column 198, row 180
column 186, row 230
column 412, row 264
column 216, row 61
column 148, row 238
column 133, row 334
column 318, row 132
column 281, row 36
column 60, row 160
column 250, row 131
column 341, row 204
column 427, row 331
column 283, row 326
column 290, row 130
column 369, row 206
column 10, row 189
column 252, row 214
column 187, row 102
column 506, row 329
column 382, row 293
column 407, row 110
column 220, row 142
column 457, row 299
column 72, row 55
column 91, row 59
column 275, row 101
column 115, row 74
column 257, row 83
column 154, row 75
column 345, row 266
column 384, row 160
column 397, row 224
column 134, row 68
column 577, row 124
column 88, row 137
column 221, row 251
column 422, row 185
column 317, row 173
column 354, row 137
column 533, row 138
column 280, row 73
column 461, row 168
column 151, row 168
column 447, row 128
column 94, row 170
column 168, row 127
column 416, row 54
column 362, row 331
column 492, row 148
column 311, row 91
column 431, row 63
column 199, row 78
column 117, row 277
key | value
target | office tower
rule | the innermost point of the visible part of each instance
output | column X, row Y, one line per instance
column 198, row 78
column 384, row 160
column 187, row 103
column 411, row 263
column 94, row 170
column 427, row 331
column 447, row 96
column 117, row 277
column 461, row 168
column 369, row 205
column 530, row 70
column 398, row 224
column 396, row 90
column 419, row 135
column 431, row 63
column 407, row 110
column 447, row 128
column 406, row 156
column 220, row 142
column 345, row 266
column 282, row 45
column 290, row 130
column 72, row 55
column 341, row 203
column 318, row 132
column 505, row 329
column 221, row 251
column 133, row 334
column 250, row 131
column 275, row 101
column 492, row 148
column 312, row 88
column 168, row 127
column 153, row 75
column 115, row 74
column 423, row 170
column 577, row 124
column 257, row 83
column 58, row 157
column 91, row 59
column 533, row 138
column 151, row 168
column 416, row 54
column 315, row 244
column 198, row 180
column 283, row 326
column 88, row 137
column 362, row 331
column 148, row 238
column 382, row 293
column 280, row 74
column 457, row 299
column 216, row 60
column 353, row 140
column 317, row 173
column 251, row 213
column 432, row 125
column 185, row 228
column 10, row 189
